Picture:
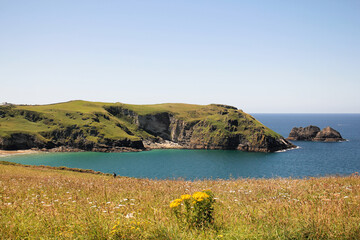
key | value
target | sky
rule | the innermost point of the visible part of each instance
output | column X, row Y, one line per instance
column 260, row 56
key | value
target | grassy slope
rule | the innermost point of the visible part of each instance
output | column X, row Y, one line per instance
column 53, row 204
column 82, row 113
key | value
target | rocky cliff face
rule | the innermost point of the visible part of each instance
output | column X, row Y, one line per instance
column 115, row 127
column 20, row 141
column 70, row 138
column 313, row 133
column 172, row 132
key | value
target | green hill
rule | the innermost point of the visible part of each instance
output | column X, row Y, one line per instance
column 97, row 126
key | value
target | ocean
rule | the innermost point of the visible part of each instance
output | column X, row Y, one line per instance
column 311, row 159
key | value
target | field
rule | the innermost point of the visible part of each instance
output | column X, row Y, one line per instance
column 43, row 203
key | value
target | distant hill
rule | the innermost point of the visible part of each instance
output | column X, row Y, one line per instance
column 97, row 126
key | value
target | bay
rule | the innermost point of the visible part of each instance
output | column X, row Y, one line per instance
column 311, row 159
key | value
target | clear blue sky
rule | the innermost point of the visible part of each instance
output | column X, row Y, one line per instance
column 260, row 56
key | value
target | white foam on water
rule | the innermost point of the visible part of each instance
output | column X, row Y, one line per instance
column 285, row 150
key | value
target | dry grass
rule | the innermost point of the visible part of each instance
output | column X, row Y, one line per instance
column 54, row 204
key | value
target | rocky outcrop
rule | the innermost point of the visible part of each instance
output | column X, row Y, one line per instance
column 20, row 141
column 303, row 134
column 328, row 135
column 267, row 144
column 71, row 138
column 171, row 132
column 313, row 133
column 156, row 124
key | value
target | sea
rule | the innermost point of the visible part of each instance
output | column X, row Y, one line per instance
column 310, row 159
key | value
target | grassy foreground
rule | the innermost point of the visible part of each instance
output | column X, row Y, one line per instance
column 45, row 203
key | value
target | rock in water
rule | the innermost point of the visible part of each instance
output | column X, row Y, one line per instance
column 328, row 135
column 313, row 133
column 303, row 134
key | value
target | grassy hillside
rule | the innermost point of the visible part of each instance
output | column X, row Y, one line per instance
column 90, row 124
column 45, row 118
column 39, row 203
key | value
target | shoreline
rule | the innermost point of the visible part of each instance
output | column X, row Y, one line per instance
column 82, row 170
column 148, row 147
column 79, row 170
column 6, row 153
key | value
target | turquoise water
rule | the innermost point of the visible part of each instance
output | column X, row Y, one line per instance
column 311, row 159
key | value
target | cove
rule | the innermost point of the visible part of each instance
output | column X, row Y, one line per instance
column 312, row 159
column 194, row 164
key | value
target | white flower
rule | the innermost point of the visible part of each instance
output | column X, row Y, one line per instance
column 129, row 215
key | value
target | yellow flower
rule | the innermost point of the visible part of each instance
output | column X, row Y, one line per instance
column 200, row 196
column 175, row 203
column 185, row 197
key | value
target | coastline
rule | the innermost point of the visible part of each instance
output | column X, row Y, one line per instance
column 148, row 147
column 79, row 170
column 90, row 171
column 5, row 153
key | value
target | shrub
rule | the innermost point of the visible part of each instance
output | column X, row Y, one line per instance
column 195, row 210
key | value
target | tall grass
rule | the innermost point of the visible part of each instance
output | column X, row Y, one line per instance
column 56, row 204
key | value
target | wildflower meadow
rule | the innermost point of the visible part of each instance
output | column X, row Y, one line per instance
column 42, row 203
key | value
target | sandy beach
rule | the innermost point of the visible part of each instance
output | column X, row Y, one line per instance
column 4, row 153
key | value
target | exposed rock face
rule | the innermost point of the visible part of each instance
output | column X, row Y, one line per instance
column 328, row 135
column 303, row 134
column 313, row 133
column 20, row 141
column 177, row 133
column 156, row 124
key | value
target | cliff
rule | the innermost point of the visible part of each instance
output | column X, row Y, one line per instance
column 313, row 133
column 94, row 126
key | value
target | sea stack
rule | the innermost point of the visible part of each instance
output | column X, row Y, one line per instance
column 303, row 134
column 313, row 133
column 328, row 135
